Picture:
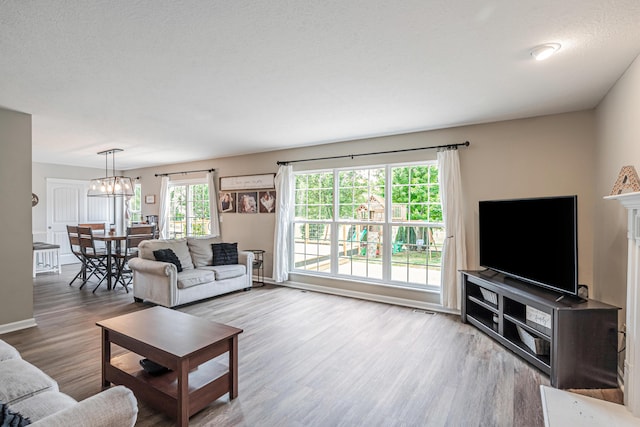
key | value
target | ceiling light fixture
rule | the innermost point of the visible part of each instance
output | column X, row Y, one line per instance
column 542, row 52
column 110, row 186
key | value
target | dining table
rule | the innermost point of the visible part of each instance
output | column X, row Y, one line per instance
column 112, row 242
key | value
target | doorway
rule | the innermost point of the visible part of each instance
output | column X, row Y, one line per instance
column 68, row 204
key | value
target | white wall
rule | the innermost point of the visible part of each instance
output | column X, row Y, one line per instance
column 39, row 175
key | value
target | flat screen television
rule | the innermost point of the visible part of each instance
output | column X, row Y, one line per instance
column 534, row 240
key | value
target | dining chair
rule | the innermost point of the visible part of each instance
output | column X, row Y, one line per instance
column 76, row 250
column 135, row 235
column 95, row 259
column 95, row 226
column 98, row 227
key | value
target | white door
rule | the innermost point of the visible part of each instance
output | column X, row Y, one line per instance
column 68, row 204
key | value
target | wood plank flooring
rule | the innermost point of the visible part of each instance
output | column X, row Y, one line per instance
column 306, row 359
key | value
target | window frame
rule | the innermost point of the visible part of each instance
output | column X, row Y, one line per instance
column 189, row 183
column 387, row 225
column 136, row 199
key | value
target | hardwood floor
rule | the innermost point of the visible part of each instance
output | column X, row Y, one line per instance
column 306, row 359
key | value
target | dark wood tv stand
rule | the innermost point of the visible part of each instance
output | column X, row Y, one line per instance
column 582, row 336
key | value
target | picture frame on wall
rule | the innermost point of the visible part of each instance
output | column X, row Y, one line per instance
column 227, row 202
column 247, row 202
column 267, row 201
column 150, row 199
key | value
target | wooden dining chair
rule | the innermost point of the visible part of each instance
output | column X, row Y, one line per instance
column 76, row 250
column 95, row 259
column 135, row 235
column 96, row 227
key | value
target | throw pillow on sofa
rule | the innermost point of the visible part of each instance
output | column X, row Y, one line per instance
column 167, row 255
column 225, row 253
column 178, row 246
column 9, row 418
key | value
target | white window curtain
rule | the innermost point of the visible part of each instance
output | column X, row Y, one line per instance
column 163, row 218
column 454, row 252
column 281, row 238
column 127, row 211
column 213, row 206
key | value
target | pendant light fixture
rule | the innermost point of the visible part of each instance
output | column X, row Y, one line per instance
column 110, row 186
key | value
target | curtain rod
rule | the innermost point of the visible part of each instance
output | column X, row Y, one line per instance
column 447, row 146
column 184, row 172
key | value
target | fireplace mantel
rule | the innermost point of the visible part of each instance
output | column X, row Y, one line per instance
column 631, row 201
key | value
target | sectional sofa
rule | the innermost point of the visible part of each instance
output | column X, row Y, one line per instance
column 27, row 394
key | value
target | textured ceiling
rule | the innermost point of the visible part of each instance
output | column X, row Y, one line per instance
column 180, row 80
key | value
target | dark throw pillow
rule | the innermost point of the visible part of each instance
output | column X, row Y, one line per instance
column 167, row 255
column 11, row 419
column 225, row 253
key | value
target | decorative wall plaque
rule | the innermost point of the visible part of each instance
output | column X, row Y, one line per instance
column 247, row 182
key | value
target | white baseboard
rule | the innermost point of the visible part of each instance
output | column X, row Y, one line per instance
column 16, row 326
column 365, row 296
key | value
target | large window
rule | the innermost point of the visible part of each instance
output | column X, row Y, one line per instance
column 380, row 224
column 189, row 209
column 135, row 205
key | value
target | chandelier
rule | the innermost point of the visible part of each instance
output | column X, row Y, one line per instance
column 110, row 186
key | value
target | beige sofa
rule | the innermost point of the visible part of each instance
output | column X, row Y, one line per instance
column 28, row 392
column 161, row 283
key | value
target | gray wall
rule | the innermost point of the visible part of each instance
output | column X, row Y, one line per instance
column 618, row 145
column 543, row 156
column 576, row 153
column 16, row 284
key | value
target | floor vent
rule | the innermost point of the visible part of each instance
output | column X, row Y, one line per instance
column 419, row 311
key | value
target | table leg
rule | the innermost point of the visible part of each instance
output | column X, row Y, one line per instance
column 183, row 393
column 233, row 367
column 108, row 246
column 106, row 357
column 110, row 255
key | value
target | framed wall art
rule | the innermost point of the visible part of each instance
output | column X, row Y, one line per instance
column 227, row 202
column 248, row 202
column 267, row 201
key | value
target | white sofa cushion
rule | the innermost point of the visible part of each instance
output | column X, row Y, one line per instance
column 194, row 277
column 200, row 248
column 21, row 380
column 114, row 407
column 230, row 271
column 178, row 246
column 42, row 404
column 7, row 351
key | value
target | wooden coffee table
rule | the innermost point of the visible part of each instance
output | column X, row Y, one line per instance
column 183, row 343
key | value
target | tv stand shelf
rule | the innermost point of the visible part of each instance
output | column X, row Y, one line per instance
column 579, row 336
